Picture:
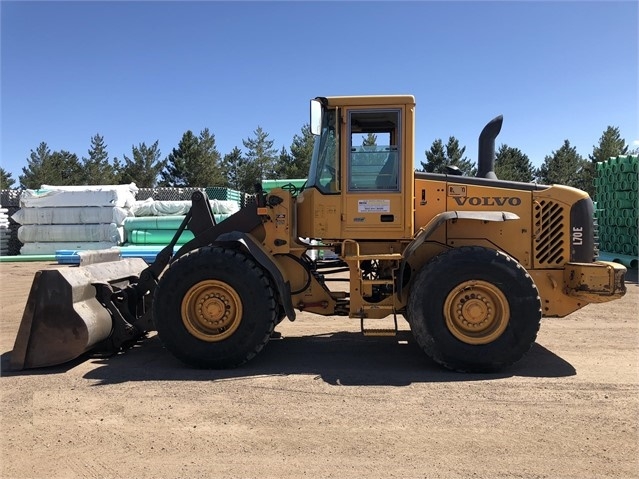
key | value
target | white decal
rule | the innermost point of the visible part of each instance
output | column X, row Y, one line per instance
column 373, row 206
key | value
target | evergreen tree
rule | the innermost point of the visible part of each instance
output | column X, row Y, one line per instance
column 175, row 170
column 32, row 176
column 60, row 168
column 231, row 166
column 455, row 157
column 240, row 173
column 69, row 167
column 435, row 158
column 302, row 152
column 285, row 164
column 63, row 169
column 610, row 145
column 248, row 176
column 145, row 166
column 297, row 163
column 440, row 156
column 207, row 172
column 513, row 165
column 195, row 162
column 6, row 182
column 262, row 155
column 96, row 168
column 563, row 167
column 370, row 140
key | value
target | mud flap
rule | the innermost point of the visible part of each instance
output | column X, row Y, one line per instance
column 63, row 318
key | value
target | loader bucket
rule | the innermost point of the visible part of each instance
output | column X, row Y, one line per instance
column 62, row 318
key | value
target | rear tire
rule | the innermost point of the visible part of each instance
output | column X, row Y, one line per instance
column 474, row 309
column 214, row 308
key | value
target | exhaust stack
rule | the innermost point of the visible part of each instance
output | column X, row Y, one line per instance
column 486, row 153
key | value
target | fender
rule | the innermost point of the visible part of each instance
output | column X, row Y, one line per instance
column 249, row 244
column 424, row 233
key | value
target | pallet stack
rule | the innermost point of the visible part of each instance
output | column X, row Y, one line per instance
column 617, row 193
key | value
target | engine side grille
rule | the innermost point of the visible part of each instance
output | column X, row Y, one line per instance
column 549, row 243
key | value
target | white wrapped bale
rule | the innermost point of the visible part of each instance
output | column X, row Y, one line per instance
column 71, row 215
column 5, row 233
column 89, row 195
column 81, row 233
column 151, row 207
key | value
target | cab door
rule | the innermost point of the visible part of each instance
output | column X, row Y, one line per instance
column 373, row 177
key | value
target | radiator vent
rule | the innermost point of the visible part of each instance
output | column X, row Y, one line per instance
column 549, row 244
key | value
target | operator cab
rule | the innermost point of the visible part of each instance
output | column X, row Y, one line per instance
column 361, row 176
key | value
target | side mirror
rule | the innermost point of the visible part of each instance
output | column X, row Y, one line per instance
column 316, row 117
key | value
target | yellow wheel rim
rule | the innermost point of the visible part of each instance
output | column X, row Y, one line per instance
column 476, row 312
column 211, row 310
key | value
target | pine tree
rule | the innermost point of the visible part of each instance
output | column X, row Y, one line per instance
column 231, row 166
column 370, row 140
column 175, row 170
column 563, row 167
column 610, row 145
column 455, row 157
column 240, row 173
column 207, row 172
column 6, row 182
column 96, row 168
column 285, row 164
column 440, row 156
column 64, row 169
column 262, row 155
column 59, row 168
column 513, row 165
column 296, row 163
column 32, row 176
column 145, row 166
column 195, row 162
column 435, row 158
column 302, row 152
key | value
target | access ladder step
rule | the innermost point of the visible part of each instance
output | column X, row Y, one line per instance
column 379, row 331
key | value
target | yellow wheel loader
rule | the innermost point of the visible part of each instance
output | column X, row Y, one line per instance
column 472, row 263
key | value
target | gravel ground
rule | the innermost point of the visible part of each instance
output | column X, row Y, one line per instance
column 326, row 402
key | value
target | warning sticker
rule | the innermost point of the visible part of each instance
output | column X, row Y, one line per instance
column 373, row 206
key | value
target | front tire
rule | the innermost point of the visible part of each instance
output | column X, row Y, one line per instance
column 214, row 308
column 474, row 309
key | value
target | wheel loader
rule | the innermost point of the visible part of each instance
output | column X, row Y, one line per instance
column 472, row 263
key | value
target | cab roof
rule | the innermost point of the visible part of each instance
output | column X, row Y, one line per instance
column 370, row 100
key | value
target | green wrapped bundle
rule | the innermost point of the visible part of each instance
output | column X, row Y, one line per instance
column 157, row 237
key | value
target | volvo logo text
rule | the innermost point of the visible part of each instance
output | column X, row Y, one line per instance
column 488, row 200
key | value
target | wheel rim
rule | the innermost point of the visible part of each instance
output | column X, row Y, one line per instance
column 476, row 312
column 211, row 310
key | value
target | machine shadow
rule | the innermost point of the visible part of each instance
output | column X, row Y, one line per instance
column 343, row 358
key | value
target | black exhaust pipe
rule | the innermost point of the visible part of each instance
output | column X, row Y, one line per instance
column 486, row 153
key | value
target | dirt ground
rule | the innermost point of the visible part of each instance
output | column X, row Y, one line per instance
column 326, row 402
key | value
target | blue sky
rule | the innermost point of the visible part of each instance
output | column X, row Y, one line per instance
column 145, row 71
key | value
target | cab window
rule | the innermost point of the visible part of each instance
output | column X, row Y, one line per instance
column 374, row 156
